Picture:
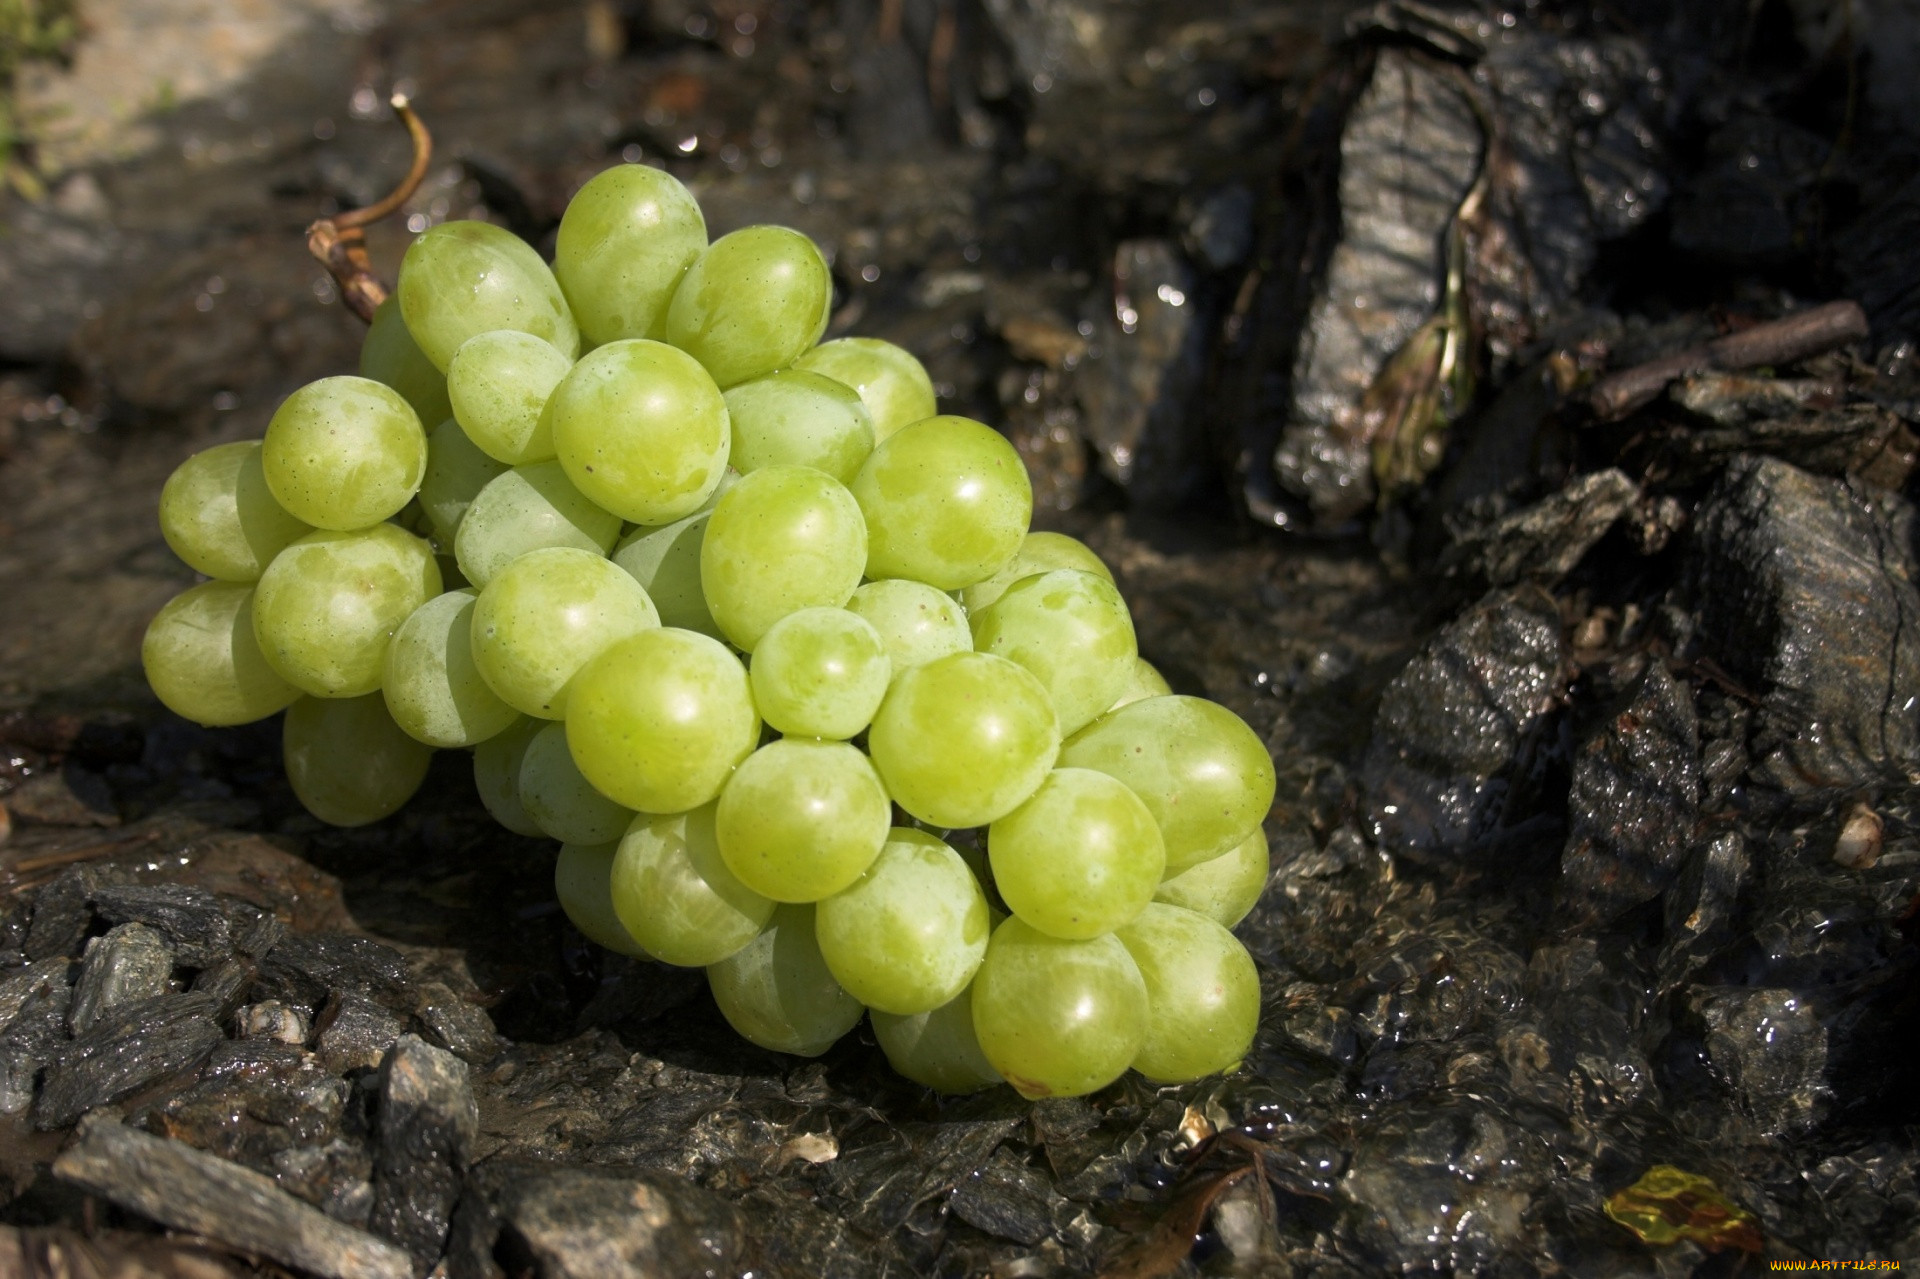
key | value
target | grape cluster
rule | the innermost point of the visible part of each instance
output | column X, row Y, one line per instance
column 945, row 790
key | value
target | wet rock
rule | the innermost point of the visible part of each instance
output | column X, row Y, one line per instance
column 1753, row 200
column 227, row 983
column 336, row 1178
column 426, row 1123
column 1804, row 588
column 306, row 969
column 69, row 796
column 254, row 1100
column 34, row 1031
column 1007, row 1199
column 1768, row 1046
column 193, row 919
column 1702, row 905
column 1861, row 839
column 354, row 1032
column 882, row 1184
column 1543, row 542
column 126, row 1049
column 1453, row 724
column 181, row 1187
column 61, row 915
column 129, row 963
column 459, row 1025
column 273, row 1020
column 1862, row 441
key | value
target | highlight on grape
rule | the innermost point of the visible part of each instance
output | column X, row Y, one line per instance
column 756, row 634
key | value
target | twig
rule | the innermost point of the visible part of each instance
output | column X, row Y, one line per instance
column 1782, row 341
column 340, row 242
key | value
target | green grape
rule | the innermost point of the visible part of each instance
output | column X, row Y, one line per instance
column 820, row 672
column 625, row 240
column 203, row 661
column 583, row 883
column 327, row 606
column 1039, row 552
column 496, row 774
column 1203, row 994
column 907, row 935
column 344, row 453
column 964, row 739
column 666, row 561
column 751, row 302
column 675, row 895
column 1223, row 888
column 1078, row 859
column 433, row 687
column 1073, row 631
column 562, row 803
column 659, row 720
column 390, row 356
column 792, row 418
column 1058, row 1018
column 456, row 472
column 349, row 763
column 462, row 279
column 546, row 615
column 801, row 820
column 1202, row 773
column 219, row 516
column 915, row 622
column 498, row 384
column 947, row 502
column 642, row 430
column 892, row 384
column 782, row 539
column 1142, row 682
column 938, row 1048
column 776, row 990
column 527, row 509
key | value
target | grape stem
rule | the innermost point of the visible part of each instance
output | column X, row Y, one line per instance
column 340, row 241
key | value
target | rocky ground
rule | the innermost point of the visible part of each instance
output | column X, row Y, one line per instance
column 1430, row 376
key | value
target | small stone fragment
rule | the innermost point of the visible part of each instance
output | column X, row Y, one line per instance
column 123, row 1051
column 191, row 918
column 271, row 1019
column 131, row 962
column 1767, row 1045
column 425, row 1128
column 355, row 1033
column 61, row 915
column 305, row 969
column 1862, row 833
column 1543, row 542
column 458, row 1025
column 227, row 982
column 34, row 1032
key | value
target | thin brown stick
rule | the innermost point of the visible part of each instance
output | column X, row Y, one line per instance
column 340, row 242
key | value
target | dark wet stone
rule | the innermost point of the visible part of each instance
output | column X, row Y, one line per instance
column 254, row 1100
column 354, row 1033
column 193, row 919
column 459, row 1025
column 34, row 1029
column 20, row 983
column 1804, row 588
column 1701, row 907
column 305, row 969
column 425, row 1127
column 1543, row 542
column 335, row 1177
column 125, row 1050
column 178, row 1186
column 1007, row 1199
column 1635, row 799
column 130, row 962
column 1863, row 441
column 1768, row 1047
column 882, row 1184
column 69, row 796
column 1452, row 725
column 61, row 914
column 227, row 983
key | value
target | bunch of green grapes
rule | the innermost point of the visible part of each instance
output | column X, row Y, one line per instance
column 760, row 637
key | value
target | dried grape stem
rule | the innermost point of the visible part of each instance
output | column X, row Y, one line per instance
column 340, row 242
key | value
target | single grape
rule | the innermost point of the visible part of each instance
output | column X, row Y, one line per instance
column 750, row 303
column 496, row 774
column 1039, row 552
column 964, row 739
column 892, row 384
column 793, row 418
column 498, row 384
column 344, row 453
column 1078, row 859
column 527, row 509
column 456, row 472
column 434, row 690
column 776, row 990
column 461, row 279
column 659, row 720
column 666, row 561
column 1201, row 771
column 642, row 430
column 390, row 356
column 1058, row 1018
column 1224, row 888
column 938, row 1048
column 820, row 672
column 908, row 934
column 675, row 895
column 583, row 883
column 947, row 502
column 1203, row 994
column 327, row 606
column 203, row 661
column 546, row 615
column 782, row 539
column 1142, row 682
column 562, row 803
column 626, row 239
column 799, row 820
column 349, row 763
column 1073, row 631
column 219, row 516
column 915, row 622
